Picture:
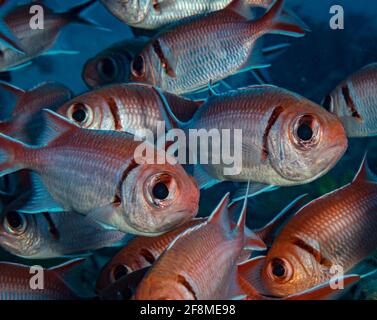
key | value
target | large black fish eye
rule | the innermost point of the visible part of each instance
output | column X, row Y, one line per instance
column 15, row 222
column 278, row 268
column 118, row 272
column 138, row 66
column 304, row 132
column 79, row 113
column 107, row 68
column 160, row 191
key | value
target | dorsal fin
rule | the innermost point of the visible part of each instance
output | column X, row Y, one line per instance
column 62, row 268
column 55, row 125
column 220, row 214
column 365, row 174
column 240, row 227
column 18, row 92
column 267, row 232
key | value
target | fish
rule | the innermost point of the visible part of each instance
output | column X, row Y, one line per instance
column 354, row 101
column 99, row 174
column 142, row 252
column 26, row 121
column 227, row 41
column 201, row 263
column 112, row 65
column 15, row 280
column 139, row 253
column 36, row 42
column 287, row 140
column 46, row 235
column 124, row 107
column 147, row 14
column 319, row 241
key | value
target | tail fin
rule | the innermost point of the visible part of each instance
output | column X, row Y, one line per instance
column 11, row 155
column 74, row 15
column 274, row 22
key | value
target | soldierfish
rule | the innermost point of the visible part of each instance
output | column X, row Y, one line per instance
column 286, row 139
column 125, row 107
column 153, row 14
column 15, row 283
column 177, row 62
column 100, row 174
column 112, row 65
column 26, row 120
column 200, row 264
column 44, row 235
column 354, row 101
column 142, row 252
column 34, row 42
column 329, row 235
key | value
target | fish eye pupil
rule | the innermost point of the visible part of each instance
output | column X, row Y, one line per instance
column 160, row 191
column 107, row 67
column 138, row 65
column 14, row 220
column 304, row 132
column 79, row 114
column 119, row 272
column 278, row 268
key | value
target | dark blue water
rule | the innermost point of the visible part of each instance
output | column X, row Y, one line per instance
column 312, row 66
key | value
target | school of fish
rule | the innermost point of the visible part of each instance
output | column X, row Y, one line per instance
column 77, row 174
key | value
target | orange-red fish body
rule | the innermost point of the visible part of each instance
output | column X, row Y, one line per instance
column 15, row 283
column 112, row 65
column 177, row 62
column 34, row 42
column 139, row 253
column 286, row 139
column 125, row 107
column 125, row 192
column 335, row 231
column 354, row 101
column 200, row 264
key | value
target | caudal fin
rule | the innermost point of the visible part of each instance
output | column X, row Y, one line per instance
column 11, row 155
column 74, row 15
column 277, row 23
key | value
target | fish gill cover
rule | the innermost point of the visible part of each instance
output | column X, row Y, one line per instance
column 292, row 82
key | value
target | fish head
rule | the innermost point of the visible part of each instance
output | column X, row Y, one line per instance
column 112, row 66
column 18, row 233
column 175, row 287
column 163, row 197
column 130, row 11
column 90, row 111
column 288, row 269
column 305, row 142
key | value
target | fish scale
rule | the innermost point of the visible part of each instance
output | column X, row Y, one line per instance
column 339, row 227
column 69, row 155
column 250, row 110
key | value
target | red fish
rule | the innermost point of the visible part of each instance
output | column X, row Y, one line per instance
column 26, row 121
column 34, row 42
column 15, row 283
column 177, row 62
column 321, row 237
column 95, row 173
column 201, row 263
